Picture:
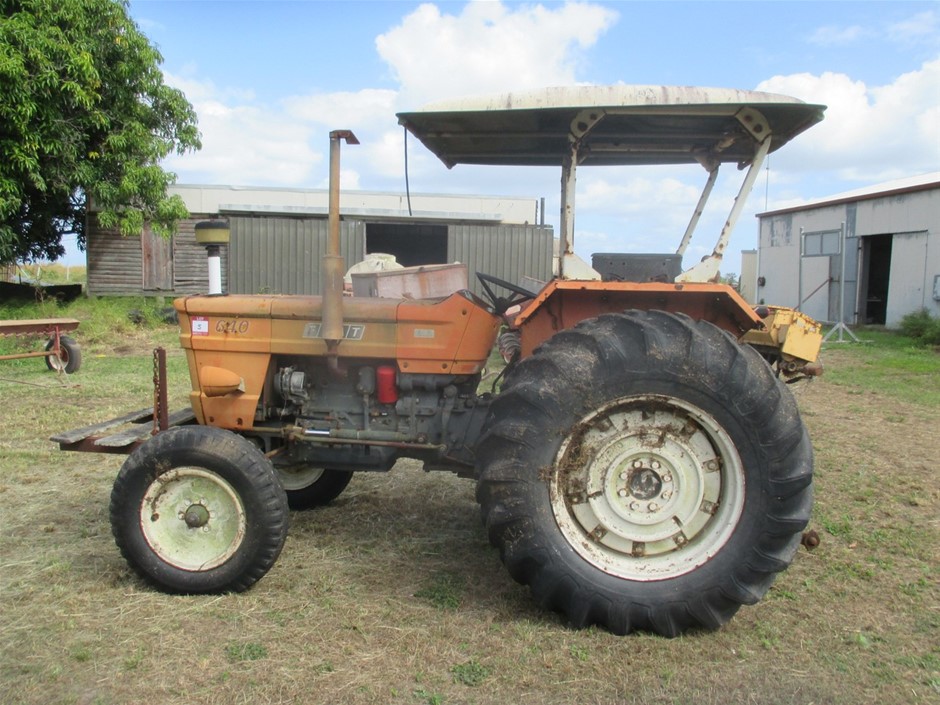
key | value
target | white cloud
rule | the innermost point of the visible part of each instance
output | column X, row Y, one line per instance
column 871, row 133
column 343, row 110
column 838, row 36
column 912, row 30
column 921, row 26
column 489, row 48
column 243, row 142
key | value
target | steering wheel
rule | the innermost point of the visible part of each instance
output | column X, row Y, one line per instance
column 502, row 303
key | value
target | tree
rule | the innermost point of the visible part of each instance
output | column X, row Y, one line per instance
column 84, row 113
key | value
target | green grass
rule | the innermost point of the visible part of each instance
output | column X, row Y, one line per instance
column 885, row 363
column 470, row 673
column 47, row 274
column 102, row 321
column 443, row 591
column 392, row 595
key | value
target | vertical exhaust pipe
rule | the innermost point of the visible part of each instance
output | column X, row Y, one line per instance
column 333, row 268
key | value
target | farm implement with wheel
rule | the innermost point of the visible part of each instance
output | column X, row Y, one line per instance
column 61, row 352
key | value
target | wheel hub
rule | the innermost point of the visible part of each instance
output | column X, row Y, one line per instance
column 196, row 516
column 192, row 518
column 644, row 482
column 649, row 478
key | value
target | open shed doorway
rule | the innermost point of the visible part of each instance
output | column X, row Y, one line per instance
column 876, row 275
column 413, row 245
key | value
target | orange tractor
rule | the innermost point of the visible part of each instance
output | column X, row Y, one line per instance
column 643, row 465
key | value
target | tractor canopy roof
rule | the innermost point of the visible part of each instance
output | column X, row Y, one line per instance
column 612, row 125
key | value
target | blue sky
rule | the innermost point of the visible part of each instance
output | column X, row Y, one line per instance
column 270, row 79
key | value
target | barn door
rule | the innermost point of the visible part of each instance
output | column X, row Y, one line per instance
column 157, row 261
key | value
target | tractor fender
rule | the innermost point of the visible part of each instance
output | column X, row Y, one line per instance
column 563, row 304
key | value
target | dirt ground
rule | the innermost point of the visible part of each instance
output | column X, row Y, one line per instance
column 393, row 594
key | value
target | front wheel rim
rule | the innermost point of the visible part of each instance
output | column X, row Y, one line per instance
column 193, row 519
column 301, row 477
column 647, row 487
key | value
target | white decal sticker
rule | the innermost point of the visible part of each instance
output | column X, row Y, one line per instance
column 424, row 333
column 200, row 325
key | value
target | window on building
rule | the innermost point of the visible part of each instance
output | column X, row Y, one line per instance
column 822, row 243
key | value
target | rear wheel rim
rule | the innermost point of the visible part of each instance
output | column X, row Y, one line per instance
column 647, row 488
column 193, row 519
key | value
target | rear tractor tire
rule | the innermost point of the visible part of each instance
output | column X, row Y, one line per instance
column 311, row 487
column 645, row 471
column 198, row 509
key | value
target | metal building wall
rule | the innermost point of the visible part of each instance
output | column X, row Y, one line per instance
column 912, row 220
column 811, row 284
column 509, row 252
column 281, row 255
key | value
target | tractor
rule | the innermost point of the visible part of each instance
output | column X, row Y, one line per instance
column 642, row 464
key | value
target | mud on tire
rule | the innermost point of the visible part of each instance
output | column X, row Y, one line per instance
column 645, row 471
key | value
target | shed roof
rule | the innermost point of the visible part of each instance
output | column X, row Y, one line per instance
column 896, row 187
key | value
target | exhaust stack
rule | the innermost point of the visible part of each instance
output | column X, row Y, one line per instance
column 333, row 268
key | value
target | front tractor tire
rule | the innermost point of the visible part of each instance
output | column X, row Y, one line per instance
column 311, row 487
column 645, row 471
column 197, row 509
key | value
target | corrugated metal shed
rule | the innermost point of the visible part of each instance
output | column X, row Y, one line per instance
column 282, row 255
column 278, row 255
column 277, row 247
column 508, row 252
column 876, row 249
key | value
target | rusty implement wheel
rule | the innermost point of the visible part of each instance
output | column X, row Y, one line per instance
column 645, row 471
column 69, row 358
column 199, row 510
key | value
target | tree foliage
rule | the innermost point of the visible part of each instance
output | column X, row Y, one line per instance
column 84, row 114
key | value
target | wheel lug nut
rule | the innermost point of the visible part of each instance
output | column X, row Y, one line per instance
column 637, row 463
column 666, row 495
column 634, row 506
column 622, row 493
column 667, row 477
column 655, row 465
column 623, row 475
column 652, row 506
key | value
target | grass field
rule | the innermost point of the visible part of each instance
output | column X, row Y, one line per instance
column 393, row 594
